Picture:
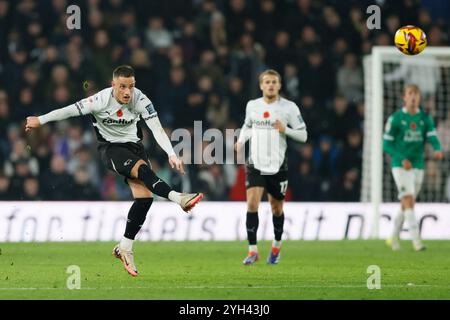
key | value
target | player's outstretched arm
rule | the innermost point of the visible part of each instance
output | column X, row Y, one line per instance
column 79, row 108
column 55, row 115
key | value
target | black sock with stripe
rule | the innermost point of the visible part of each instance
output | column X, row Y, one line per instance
column 152, row 182
column 252, row 223
column 136, row 216
column 278, row 224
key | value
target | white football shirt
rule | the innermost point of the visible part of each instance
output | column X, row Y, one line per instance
column 267, row 145
column 114, row 122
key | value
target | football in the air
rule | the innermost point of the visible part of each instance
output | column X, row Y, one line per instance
column 410, row 40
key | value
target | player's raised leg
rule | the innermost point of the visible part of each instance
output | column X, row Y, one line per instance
column 254, row 195
column 278, row 225
column 136, row 218
column 143, row 172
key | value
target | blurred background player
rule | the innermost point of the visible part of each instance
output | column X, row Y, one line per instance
column 406, row 132
column 115, row 113
column 268, row 121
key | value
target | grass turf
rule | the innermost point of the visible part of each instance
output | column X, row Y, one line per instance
column 214, row 270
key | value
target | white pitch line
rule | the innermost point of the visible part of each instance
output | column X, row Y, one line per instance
column 231, row 287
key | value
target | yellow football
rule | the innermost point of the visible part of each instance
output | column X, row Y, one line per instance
column 410, row 40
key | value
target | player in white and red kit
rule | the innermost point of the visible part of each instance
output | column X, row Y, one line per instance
column 115, row 112
column 269, row 120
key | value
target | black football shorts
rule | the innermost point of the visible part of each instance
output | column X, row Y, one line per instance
column 275, row 184
column 121, row 157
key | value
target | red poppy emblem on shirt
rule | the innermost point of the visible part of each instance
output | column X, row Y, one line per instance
column 119, row 113
column 266, row 114
column 413, row 125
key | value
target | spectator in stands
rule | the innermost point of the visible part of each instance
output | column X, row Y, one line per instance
column 281, row 51
column 350, row 79
column 83, row 186
column 172, row 97
column 101, row 56
column 156, row 35
column 20, row 174
column 218, row 33
column 315, row 77
column 82, row 158
column 324, row 165
column 314, row 115
column 217, row 112
column 213, row 182
column 247, row 62
column 208, row 67
column 31, row 80
column 305, row 184
column 202, row 20
column 341, row 118
column 237, row 99
column 350, row 156
column 268, row 20
column 349, row 189
column 20, row 153
column 31, row 190
column 56, row 183
column 26, row 105
column 291, row 82
column 189, row 42
column 14, row 67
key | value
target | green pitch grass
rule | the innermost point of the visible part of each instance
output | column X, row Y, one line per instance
column 214, row 270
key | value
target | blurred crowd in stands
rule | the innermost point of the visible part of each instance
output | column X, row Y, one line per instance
column 196, row 60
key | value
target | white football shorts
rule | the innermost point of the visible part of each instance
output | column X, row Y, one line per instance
column 408, row 182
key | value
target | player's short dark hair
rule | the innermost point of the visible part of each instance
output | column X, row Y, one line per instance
column 123, row 71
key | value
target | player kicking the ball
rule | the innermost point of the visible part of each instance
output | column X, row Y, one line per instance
column 266, row 125
column 406, row 132
column 115, row 113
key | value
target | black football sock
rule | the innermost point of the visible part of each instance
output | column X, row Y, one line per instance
column 152, row 182
column 278, row 224
column 252, row 227
column 136, row 216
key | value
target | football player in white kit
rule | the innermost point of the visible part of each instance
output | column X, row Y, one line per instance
column 115, row 112
column 269, row 120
